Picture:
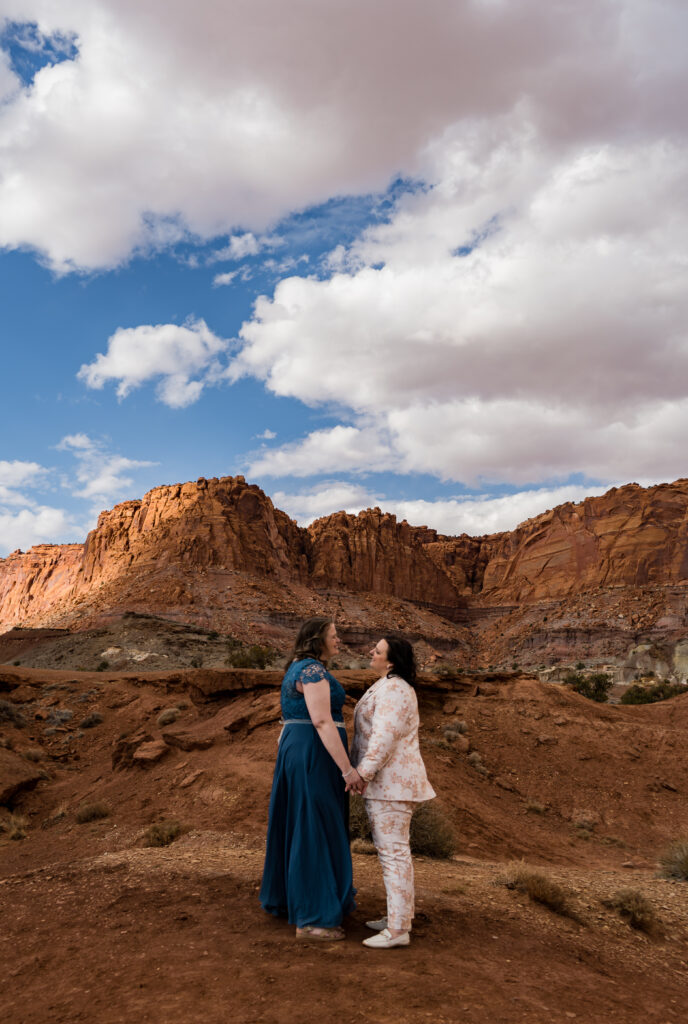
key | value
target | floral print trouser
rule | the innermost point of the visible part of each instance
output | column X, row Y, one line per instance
column 390, row 821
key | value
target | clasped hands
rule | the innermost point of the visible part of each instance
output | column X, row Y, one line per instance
column 355, row 784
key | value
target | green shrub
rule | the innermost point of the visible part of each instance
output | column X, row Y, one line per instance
column 92, row 812
column 196, row 662
column 162, row 834
column 595, row 686
column 652, row 694
column 359, row 826
column 102, row 666
column 634, row 908
column 674, row 861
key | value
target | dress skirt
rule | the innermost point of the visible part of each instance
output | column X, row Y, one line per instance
column 307, row 876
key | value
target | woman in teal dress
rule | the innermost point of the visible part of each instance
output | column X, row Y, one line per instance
column 307, row 876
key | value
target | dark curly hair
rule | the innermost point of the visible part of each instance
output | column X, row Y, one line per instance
column 403, row 660
column 310, row 639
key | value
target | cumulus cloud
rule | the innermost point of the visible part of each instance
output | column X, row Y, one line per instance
column 332, row 450
column 102, row 476
column 328, row 497
column 17, row 474
column 183, row 359
column 475, row 515
column 290, row 104
column 39, row 524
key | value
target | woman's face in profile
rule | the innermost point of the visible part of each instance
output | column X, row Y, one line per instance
column 379, row 659
column 330, row 642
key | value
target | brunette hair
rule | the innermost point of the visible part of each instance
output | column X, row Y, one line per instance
column 400, row 653
column 310, row 639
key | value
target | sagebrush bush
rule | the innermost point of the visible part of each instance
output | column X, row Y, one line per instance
column 14, row 826
column 168, row 716
column 162, row 833
column 92, row 812
column 634, row 908
column 33, row 754
column 674, row 861
column 535, row 807
column 539, row 888
column 455, row 727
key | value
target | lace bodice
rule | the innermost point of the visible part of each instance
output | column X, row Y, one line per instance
column 309, row 670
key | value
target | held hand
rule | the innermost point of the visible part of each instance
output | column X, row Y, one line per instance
column 354, row 782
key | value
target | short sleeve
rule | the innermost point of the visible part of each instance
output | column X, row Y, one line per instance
column 314, row 672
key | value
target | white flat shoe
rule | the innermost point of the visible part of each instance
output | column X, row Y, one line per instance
column 385, row 940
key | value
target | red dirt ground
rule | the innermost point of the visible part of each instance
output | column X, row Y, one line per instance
column 97, row 927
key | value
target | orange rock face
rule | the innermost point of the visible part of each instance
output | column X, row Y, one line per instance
column 205, row 551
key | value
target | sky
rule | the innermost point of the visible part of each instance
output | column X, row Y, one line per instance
column 427, row 257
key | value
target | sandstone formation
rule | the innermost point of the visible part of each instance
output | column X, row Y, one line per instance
column 601, row 577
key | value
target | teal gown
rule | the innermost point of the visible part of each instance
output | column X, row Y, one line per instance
column 307, row 876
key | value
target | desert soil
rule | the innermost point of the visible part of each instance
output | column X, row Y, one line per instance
column 97, row 927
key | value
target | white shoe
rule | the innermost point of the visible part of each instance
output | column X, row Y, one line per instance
column 385, row 940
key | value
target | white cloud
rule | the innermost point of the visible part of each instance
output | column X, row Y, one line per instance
column 103, row 477
column 16, row 474
column 475, row 515
column 223, row 279
column 177, row 118
column 333, row 496
column 39, row 524
column 333, row 450
column 171, row 354
column 267, row 435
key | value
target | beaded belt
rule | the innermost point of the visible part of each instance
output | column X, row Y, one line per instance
column 304, row 721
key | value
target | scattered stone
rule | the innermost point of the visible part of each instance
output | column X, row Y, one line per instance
column 187, row 741
column 191, row 778
column 149, row 753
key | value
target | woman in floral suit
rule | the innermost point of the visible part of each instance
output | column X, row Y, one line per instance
column 387, row 756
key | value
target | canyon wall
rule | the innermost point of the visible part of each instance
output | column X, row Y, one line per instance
column 198, row 549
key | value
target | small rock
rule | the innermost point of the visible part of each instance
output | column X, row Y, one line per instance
column 185, row 741
column 191, row 778
column 149, row 753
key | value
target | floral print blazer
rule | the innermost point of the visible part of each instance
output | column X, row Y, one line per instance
column 385, row 746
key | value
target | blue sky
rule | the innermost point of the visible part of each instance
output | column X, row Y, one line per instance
column 437, row 265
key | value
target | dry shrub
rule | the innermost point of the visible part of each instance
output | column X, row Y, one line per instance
column 14, row 826
column 674, row 861
column 431, row 832
column 92, row 812
column 455, row 727
column 168, row 716
column 95, row 718
column 10, row 713
column 162, row 833
column 634, row 908
column 33, row 754
column 475, row 759
column 363, row 846
column 585, row 819
column 359, row 826
column 535, row 807
column 539, row 888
